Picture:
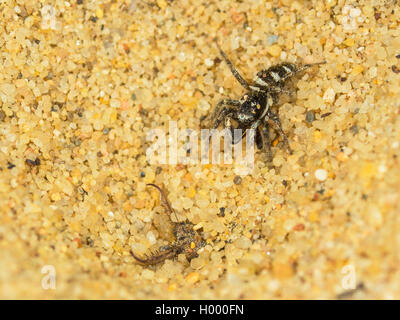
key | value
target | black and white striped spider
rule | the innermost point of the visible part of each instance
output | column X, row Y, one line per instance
column 253, row 110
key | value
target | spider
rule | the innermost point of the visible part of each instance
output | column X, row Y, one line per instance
column 187, row 240
column 253, row 110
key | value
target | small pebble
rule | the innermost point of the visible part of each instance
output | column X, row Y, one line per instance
column 209, row 62
column 329, row 95
column 395, row 69
column 181, row 56
column 243, row 242
column 10, row 165
column 89, row 242
column 237, row 180
column 299, row 227
column 274, row 50
column 77, row 142
column 150, row 236
column 192, row 277
column 357, row 69
column 187, row 203
column 321, row 174
column 115, row 103
column 310, row 116
column 148, row 274
column 272, row 39
column 203, row 105
column 162, row 4
column 382, row 168
column 99, row 13
column 35, row 162
column 349, row 42
column 354, row 129
column 355, row 12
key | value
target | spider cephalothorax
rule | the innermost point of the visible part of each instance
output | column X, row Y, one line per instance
column 187, row 240
column 253, row 110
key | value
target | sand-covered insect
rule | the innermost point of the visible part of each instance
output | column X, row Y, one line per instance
column 253, row 110
column 187, row 240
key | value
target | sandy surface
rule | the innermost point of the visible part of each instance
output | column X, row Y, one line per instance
column 82, row 82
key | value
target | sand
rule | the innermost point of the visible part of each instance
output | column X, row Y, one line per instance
column 83, row 82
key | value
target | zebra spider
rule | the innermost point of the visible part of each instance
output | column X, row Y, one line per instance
column 253, row 110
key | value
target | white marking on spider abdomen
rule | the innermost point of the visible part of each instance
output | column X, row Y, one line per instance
column 270, row 101
column 287, row 69
column 260, row 82
column 276, row 76
column 254, row 88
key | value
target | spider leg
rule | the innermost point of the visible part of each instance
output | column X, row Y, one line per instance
column 220, row 115
column 224, row 102
column 259, row 139
column 267, row 139
column 275, row 119
column 309, row 65
column 299, row 70
column 217, row 111
column 228, row 125
column 236, row 73
column 238, row 138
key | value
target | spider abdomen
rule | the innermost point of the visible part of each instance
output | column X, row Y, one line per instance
column 275, row 75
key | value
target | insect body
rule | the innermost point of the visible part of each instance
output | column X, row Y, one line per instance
column 187, row 240
column 253, row 110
